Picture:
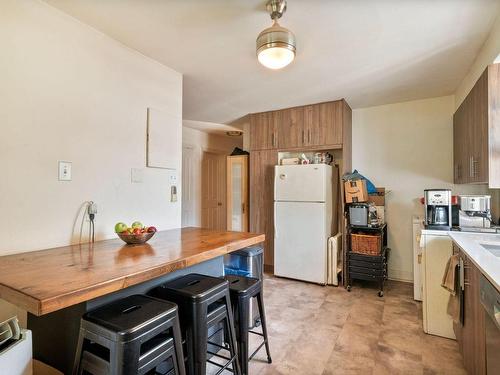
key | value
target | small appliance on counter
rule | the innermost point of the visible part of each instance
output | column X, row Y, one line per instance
column 437, row 204
column 475, row 211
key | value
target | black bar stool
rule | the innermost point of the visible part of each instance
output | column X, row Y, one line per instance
column 242, row 290
column 134, row 335
column 204, row 304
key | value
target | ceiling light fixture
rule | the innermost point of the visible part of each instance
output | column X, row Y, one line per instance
column 234, row 133
column 276, row 44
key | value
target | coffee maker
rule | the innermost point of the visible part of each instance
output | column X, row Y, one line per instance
column 475, row 211
column 437, row 208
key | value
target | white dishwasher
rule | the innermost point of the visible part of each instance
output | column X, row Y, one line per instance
column 437, row 248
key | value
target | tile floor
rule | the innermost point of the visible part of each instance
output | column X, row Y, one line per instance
column 326, row 331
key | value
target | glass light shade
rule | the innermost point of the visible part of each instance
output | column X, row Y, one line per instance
column 276, row 57
column 275, row 47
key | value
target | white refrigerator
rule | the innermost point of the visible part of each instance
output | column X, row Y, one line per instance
column 303, row 196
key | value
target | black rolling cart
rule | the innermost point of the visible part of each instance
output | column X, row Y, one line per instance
column 367, row 255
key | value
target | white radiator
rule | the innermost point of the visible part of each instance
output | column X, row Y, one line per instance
column 334, row 259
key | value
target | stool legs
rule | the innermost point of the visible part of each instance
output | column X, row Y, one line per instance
column 77, row 370
column 199, row 341
column 179, row 365
column 233, row 350
column 243, row 317
column 262, row 314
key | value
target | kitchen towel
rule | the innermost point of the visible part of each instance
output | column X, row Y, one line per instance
column 450, row 283
column 449, row 276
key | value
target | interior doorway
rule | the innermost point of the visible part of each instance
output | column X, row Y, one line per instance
column 213, row 190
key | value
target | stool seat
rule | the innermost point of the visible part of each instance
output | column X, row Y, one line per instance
column 132, row 315
column 132, row 336
column 196, row 287
column 205, row 311
column 243, row 285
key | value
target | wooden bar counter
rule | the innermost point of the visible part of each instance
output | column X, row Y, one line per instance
column 48, row 280
column 57, row 286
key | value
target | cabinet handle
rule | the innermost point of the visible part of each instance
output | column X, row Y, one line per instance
column 309, row 135
column 274, row 145
column 474, row 167
column 243, row 208
column 303, row 137
column 471, row 167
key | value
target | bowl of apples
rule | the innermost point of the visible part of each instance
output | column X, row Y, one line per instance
column 136, row 234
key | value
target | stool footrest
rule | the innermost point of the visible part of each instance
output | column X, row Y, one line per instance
column 256, row 333
column 217, row 345
column 256, row 350
column 222, row 367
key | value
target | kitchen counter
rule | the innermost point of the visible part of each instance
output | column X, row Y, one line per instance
column 486, row 262
column 45, row 281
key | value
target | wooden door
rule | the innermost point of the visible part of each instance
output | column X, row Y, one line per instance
column 290, row 128
column 237, row 193
column 213, row 191
column 262, row 165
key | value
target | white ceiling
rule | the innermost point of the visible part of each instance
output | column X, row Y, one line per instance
column 210, row 127
column 369, row 51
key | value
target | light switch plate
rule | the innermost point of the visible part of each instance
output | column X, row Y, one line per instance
column 64, row 171
column 173, row 179
column 137, row 175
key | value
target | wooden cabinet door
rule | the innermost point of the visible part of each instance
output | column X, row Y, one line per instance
column 263, row 131
column 311, row 130
column 472, row 339
column 479, row 130
column 290, row 127
column 262, row 165
column 330, row 120
column 460, row 147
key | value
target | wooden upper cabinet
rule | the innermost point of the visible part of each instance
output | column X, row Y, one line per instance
column 263, row 134
column 290, row 128
column 306, row 127
column 330, row 122
column 476, row 133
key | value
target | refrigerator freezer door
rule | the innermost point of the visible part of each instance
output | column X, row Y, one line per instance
column 302, row 183
column 300, row 241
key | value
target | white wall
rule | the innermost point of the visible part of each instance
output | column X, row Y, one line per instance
column 71, row 93
column 486, row 56
column 406, row 148
column 194, row 143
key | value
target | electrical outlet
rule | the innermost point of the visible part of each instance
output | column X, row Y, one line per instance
column 64, row 171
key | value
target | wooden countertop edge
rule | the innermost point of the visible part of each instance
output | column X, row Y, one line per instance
column 41, row 307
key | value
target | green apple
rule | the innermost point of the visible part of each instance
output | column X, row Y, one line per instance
column 120, row 227
column 137, row 224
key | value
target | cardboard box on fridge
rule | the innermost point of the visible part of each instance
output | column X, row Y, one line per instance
column 355, row 191
column 377, row 198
